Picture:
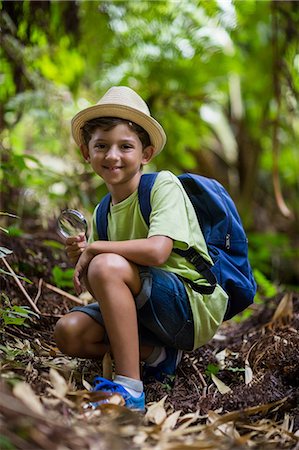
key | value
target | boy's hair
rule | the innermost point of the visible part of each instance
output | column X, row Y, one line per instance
column 107, row 123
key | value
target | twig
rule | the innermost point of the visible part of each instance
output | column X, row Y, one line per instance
column 21, row 286
column 63, row 293
column 203, row 381
column 40, row 283
column 52, row 315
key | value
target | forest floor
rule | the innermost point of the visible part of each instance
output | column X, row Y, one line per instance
column 240, row 391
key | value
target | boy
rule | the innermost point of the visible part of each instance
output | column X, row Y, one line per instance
column 144, row 310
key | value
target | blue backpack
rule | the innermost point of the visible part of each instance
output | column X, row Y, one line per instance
column 223, row 232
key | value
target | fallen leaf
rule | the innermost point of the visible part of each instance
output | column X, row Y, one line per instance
column 171, row 421
column 140, row 437
column 188, row 419
column 59, row 384
column 248, row 372
column 285, row 308
column 24, row 392
column 87, row 386
column 156, row 412
column 221, row 356
column 222, row 387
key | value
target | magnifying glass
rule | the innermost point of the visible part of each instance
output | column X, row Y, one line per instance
column 71, row 223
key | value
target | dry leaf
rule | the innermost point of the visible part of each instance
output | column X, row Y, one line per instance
column 188, row 419
column 285, row 308
column 221, row 356
column 171, row 421
column 222, row 387
column 59, row 384
column 248, row 372
column 140, row 437
column 87, row 386
column 156, row 412
column 227, row 428
column 85, row 297
column 24, row 392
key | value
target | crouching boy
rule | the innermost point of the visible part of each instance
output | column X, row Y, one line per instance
column 145, row 308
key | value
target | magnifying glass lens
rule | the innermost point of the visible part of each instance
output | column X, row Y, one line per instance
column 71, row 223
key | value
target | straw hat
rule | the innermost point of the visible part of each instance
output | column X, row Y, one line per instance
column 122, row 102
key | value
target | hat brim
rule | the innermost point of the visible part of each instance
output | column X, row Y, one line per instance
column 153, row 128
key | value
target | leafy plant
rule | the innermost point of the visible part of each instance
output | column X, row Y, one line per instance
column 62, row 278
column 212, row 369
column 265, row 286
column 15, row 315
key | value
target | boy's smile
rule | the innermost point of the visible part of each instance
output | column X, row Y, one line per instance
column 117, row 155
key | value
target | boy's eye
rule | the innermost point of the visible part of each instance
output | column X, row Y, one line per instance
column 126, row 147
column 100, row 146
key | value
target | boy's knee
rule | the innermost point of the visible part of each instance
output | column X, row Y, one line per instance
column 67, row 334
column 106, row 265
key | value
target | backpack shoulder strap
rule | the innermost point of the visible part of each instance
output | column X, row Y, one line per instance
column 102, row 217
column 146, row 183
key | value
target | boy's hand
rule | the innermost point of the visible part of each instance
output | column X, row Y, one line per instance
column 80, row 269
column 75, row 246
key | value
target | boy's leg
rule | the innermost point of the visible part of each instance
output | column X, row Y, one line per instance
column 77, row 334
column 164, row 312
column 114, row 282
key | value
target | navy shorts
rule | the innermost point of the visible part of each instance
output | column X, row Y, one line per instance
column 163, row 310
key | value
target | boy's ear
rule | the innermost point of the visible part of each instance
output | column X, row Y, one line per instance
column 147, row 154
column 85, row 152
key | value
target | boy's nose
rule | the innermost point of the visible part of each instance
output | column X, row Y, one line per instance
column 112, row 153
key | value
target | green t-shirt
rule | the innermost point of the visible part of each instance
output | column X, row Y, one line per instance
column 173, row 216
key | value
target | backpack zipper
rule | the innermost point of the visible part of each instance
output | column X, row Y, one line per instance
column 229, row 216
column 227, row 241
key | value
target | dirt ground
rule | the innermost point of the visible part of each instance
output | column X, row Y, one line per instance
column 239, row 391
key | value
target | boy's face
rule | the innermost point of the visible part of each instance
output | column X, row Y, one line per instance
column 116, row 155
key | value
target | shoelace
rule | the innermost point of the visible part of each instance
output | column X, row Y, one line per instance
column 102, row 383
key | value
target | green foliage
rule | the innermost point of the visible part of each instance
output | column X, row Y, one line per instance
column 207, row 70
column 272, row 254
column 266, row 288
column 5, row 443
column 212, row 369
column 5, row 272
column 236, row 369
column 62, row 278
column 14, row 231
column 53, row 244
column 15, row 315
column 244, row 314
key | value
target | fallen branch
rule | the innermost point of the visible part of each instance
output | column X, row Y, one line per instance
column 64, row 294
column 40, row 283
column 32, row 304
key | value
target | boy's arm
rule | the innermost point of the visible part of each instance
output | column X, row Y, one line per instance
column 152, row 251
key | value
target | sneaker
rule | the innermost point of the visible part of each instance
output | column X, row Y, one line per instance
column 104, row 385
column 166, row 367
